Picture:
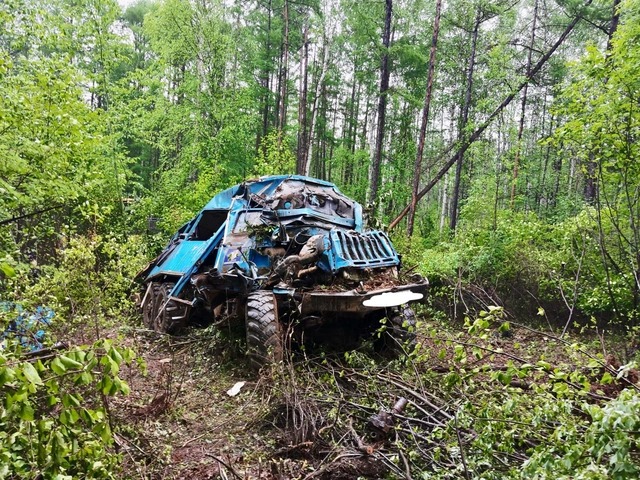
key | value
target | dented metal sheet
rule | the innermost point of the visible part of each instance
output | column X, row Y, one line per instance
column 181, row 258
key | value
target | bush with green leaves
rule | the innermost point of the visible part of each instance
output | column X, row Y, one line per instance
column 551, row 408
column 523, row 259
column 603, row 446
column 55, row 421
column 92, row 284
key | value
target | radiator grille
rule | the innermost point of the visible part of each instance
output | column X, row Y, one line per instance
column 371, row 249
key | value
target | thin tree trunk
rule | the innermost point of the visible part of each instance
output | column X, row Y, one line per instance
column 455, row 195
column 443, row 204
column 303, row 146
column 282, row 110
column 615, row 20
column 354, row 116
column 382, row 104
column 352, row 125
column 365, row 125
column 424, row 121
column 266, row 82
column 557, row 168
column 462, row 147
column 545, row 159
column 316, row 100
column 523, row 107
column 327, row 175
column 591, row 182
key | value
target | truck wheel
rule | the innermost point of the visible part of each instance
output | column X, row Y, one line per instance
column 399, row 336
column 264, row 332
column 174, row 314
column 150, row 307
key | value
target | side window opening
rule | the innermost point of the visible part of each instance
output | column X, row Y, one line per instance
column 209, row 224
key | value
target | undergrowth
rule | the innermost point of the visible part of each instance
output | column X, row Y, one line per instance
column 494, row 399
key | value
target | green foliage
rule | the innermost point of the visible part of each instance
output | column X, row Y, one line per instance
column 54, row 421
column 93, row 282
column 595, row 449
column 354, row 169
column 600, row 104
column 523, row 410
column 521, row 246
column 59, row 154
column 275, row 156
column 108, row 121
column 6, row 270
column 190, row 135
column 525, row 252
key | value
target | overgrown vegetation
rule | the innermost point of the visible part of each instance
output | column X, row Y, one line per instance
column 490, row 400
column 56, row 421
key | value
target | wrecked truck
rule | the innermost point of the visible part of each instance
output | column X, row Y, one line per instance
column 288, row 255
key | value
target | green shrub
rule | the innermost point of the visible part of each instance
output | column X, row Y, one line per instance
column 607, row 448
column 93, row 282
column 524, row 253
column 54, row 421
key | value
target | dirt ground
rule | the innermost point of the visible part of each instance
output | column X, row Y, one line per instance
column 178, row 422
column 290, row 422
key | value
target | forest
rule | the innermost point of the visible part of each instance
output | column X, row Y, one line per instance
column 496, row 141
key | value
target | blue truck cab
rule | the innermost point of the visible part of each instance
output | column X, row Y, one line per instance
column 277, row 252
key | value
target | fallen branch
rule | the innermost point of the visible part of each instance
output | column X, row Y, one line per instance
column 224, row 464
column 461, row 447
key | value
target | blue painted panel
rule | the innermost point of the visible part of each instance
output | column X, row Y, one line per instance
column 181, row 259
column 210, row 246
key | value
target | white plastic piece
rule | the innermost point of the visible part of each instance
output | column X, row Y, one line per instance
column 392, row 299
column 235, row 390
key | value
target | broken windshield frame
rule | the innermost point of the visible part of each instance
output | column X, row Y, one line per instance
column 245, row 221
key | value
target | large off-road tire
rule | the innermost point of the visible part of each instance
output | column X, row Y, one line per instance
column 264, row 331
column 150, row 307
column 170, row 315
column 398, row 336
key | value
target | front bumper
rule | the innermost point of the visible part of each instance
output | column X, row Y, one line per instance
column 353, row 301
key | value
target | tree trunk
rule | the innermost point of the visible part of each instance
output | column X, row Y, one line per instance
column 615, row 20
column 455, row 195
column 443, row 204
column 327, row 175
column 316, row 100
column 355, row 114
column 350, row 118
column 303, row 147
column 425, row 119
column 382, row 104
column 265, row 81
column 282, row 109
column 523, row 107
